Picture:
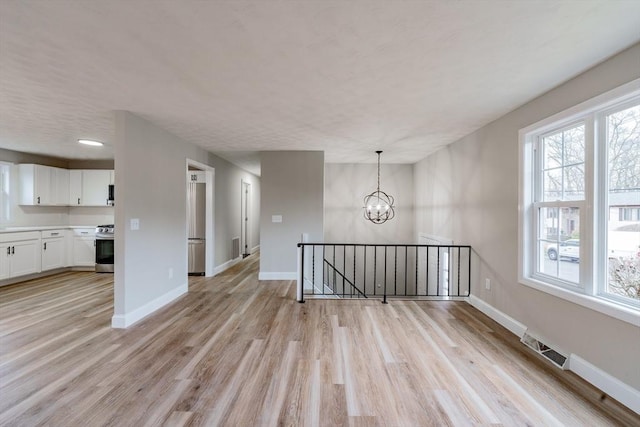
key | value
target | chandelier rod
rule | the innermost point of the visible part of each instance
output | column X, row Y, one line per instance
column 379, row 152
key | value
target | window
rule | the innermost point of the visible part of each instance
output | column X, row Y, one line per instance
column 5, row 186
column 580, row 197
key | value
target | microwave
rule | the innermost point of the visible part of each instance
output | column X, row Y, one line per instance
column 111, row 198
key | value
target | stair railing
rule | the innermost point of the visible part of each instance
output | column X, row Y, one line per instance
column 352, row 270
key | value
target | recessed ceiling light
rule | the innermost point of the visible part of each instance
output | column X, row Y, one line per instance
column 90, row 142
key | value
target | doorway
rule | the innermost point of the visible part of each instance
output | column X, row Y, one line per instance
column 245, row 197
column 205, row 175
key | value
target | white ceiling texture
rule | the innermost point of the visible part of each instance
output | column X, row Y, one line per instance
column 346, row 77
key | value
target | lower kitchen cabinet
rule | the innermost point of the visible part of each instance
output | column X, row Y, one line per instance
column 54, row 249
column 20, row 254
column 84, row 248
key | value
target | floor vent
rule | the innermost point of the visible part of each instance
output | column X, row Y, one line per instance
column 539, row 347
column 235, row 248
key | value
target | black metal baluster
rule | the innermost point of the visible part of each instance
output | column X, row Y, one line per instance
column 395, row 272
column 458, row 271
column 449, row 259
column 406, row 268
column 354, row 270
column 384, row 300
column 344, row 265
column 375, row 266
column 427, row 279
column 438, row 273
column 469, row 275
column 302, row 274
column 416, row 284
column 364, row 280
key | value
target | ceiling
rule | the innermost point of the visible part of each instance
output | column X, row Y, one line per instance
column 241, row 77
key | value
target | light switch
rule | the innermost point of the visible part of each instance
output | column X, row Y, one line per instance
column 135, row 223
column 276, row 218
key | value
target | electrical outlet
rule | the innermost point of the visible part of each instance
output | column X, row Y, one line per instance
column 487, row 284
column 135, row 223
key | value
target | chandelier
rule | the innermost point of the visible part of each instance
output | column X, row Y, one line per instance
column 378, row 206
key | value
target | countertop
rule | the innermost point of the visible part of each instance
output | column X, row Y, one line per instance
column 43, row 227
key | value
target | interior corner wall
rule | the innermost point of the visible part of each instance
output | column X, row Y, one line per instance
column 347, row 184
column 469, row 190
column 150, row 180
column 292, row 186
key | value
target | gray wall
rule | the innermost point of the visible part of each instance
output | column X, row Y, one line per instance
column 346, row 185
column 292, row 186
column 151, row 185
column 469, row 191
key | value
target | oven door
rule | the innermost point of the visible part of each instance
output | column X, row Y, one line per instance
column 104, row 255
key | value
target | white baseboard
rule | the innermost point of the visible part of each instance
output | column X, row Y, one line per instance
column 289, row 275
column 222, row 267
column 121, row 321
column 508, row 322
column 255, row 249
column 623, row 393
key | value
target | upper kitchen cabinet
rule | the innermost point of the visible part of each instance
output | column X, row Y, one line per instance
column 43, row 185
column 89, row 187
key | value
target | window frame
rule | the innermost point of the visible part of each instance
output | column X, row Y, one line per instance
column 593, row 209
column 5, row 211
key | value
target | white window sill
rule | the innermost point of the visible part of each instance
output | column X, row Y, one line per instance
column 617, row 311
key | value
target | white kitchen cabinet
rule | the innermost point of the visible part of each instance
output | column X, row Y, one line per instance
column 95, row 187
column 5, row 253
column 20, row 253
column 54, row 249
column 89, row 187
column 43, row 185
column 75, row 187
column 84, row 248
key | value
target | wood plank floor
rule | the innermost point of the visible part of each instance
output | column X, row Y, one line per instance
column 237, row 352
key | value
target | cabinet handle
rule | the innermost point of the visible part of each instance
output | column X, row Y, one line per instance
column 45, row 246
column 8, row 250
column 38, row 199
column 54, row 234
column 13, row 250
column 78, row 200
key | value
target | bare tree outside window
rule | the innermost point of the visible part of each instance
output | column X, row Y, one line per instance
column 623, row 240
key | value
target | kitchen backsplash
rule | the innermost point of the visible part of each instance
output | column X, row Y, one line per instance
column 28, row 216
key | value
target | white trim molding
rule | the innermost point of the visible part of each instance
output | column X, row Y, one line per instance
column 222, row 267
column 121, row 321
column 508, row 322
column 622, row 392
column 268, row 275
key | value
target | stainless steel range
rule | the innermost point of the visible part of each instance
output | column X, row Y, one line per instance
column 104, row 248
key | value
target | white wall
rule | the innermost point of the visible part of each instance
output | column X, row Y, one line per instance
column 469, row 191
column 347, row 184
column 150, row 173
column 292, row 186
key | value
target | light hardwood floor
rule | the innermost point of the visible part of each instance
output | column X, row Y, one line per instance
column 237, row 352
